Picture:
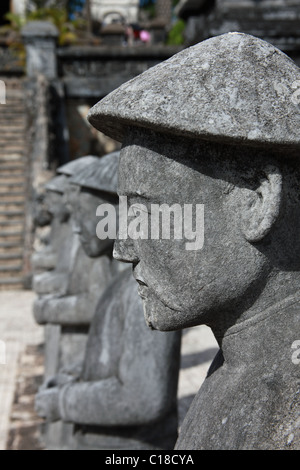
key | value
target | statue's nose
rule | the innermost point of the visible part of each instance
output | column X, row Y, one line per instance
column 124, row 251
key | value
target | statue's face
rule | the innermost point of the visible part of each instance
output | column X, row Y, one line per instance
column 182, row 288
column 85, row 204
column 56, row 206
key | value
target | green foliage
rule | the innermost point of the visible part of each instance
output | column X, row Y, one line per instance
column 16, row 22
column 59, row 17
column 68, row 29
column 176, row 34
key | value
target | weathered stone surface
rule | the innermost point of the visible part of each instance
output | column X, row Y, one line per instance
column 114, row 403
column 96, row 71
column 99, row 175
column 200, row 93
column 244, row 281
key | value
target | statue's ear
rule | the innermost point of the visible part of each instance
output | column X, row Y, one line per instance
column 261, row 206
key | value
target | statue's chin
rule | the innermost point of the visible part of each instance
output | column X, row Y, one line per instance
column 160, row 317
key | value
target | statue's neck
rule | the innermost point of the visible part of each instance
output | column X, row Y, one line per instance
column 264, row 340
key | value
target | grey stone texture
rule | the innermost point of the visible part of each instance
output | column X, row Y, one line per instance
column 219, row 121
column 125, row 397
column 95, row 71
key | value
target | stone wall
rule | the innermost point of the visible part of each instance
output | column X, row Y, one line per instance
column 275, row 21
column 90, row 73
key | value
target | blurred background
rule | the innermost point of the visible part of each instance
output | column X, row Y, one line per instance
column 57, row 59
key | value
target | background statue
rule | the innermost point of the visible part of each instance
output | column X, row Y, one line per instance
column 71, row 291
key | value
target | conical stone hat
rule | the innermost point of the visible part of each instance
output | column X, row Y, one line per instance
column 233, row 88
column 73, row 167
column 101, row 174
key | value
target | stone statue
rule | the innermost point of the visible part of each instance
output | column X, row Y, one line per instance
column 43, row 257
column 77, row 282
column 126, row 394
column 217, row 126
column 57, row 255
column 60, row 245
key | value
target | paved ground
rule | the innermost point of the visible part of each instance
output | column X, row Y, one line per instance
column 17, row 330
column 22, row 373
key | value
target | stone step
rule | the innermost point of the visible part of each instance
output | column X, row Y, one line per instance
column 17, row 225
column 6, row 247
column 8, row 206
column 10, row 233
column 19, row 144
column 9, row 161
column 12, row 142
column 6, row 173
column 7, row 250
column 11, row 223
column 17, row 183
column 12, row 128
column 11, row 138
column 11, row 268
column 16, row 160
column 11, row 169
column 13, row 104
column 19, row 117
column 10, row 214
column 11, row 283
column 7, row 237
column 11, row 256
column 12, row 120
column 9, row 116
column 12, row 198
column 16, row 95
column 12, row 131
column 13, row 177
column 12, row 153
column 10, row 189
column 9, row 186
column 14, row 181
column 11, row 243
column 11, row 273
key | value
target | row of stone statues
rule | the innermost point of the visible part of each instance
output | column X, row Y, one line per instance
column 217, row 125
column 110, row 382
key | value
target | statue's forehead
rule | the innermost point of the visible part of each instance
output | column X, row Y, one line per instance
column 146, row 172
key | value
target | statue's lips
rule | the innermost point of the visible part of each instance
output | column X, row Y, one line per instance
column 142, row 291
column 142, row 285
